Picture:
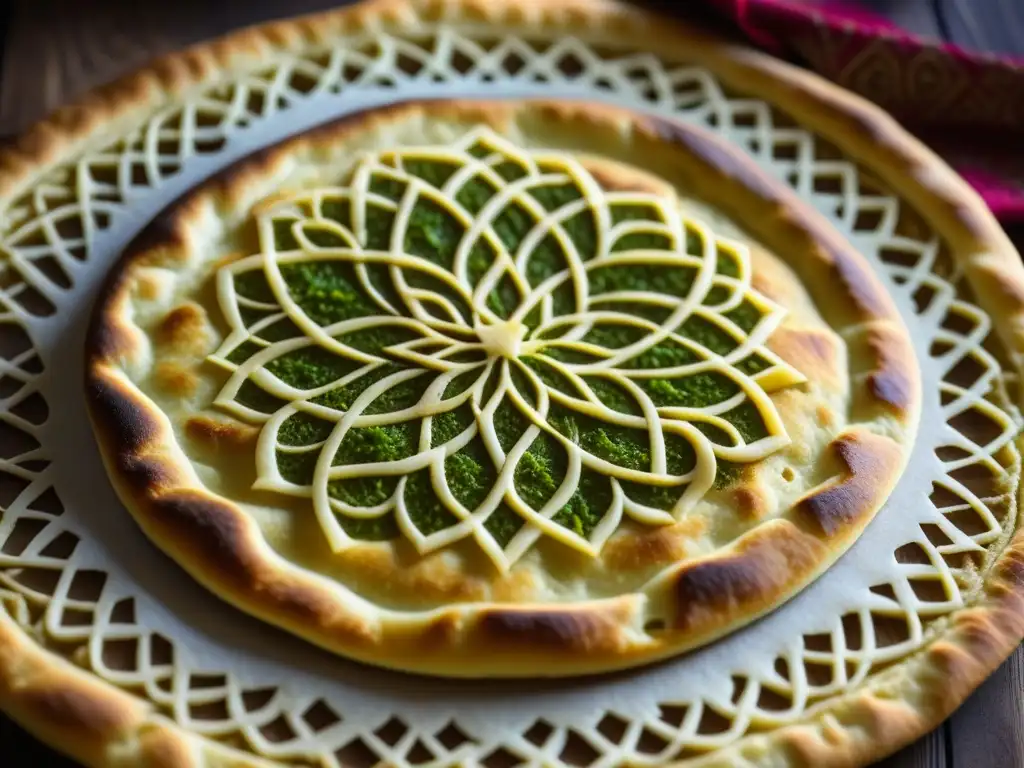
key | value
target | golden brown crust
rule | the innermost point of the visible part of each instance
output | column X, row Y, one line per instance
column 808, row 349
column 750, row 578
column 85, row 717
column 183, row 329
column 889, row 382
column 862, row 725
column 635, row 550
column 766, row 565
column 752, row 501
column 220, row 434
column 171, row 377
column 868, row 463
column 525, row 632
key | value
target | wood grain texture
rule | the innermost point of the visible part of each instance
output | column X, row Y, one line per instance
column 57, row 49
column 988, row 730
column 917, row 16
column 996, row 26
column 928, row 752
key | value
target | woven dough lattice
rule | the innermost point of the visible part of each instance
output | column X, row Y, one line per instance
column 544, row 327
column 80, row 582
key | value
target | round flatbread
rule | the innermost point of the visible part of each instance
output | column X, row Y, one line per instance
column 500, row 389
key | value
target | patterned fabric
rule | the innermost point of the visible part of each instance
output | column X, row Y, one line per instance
column 968, row 106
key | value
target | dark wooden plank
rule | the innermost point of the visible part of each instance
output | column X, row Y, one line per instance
column 995, row 26
column 59, row 49
column 988, row 730
column 917, row 16
column 928, row 752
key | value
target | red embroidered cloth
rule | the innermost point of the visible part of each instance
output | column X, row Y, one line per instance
column 968, row 106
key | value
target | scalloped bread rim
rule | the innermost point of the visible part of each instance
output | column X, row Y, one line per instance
column 709, row 596
column 101, row 725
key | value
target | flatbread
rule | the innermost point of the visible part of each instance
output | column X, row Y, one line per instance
column 500, row 389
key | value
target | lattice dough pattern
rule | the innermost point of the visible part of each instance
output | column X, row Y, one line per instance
column 512, row 310
column 84, row 608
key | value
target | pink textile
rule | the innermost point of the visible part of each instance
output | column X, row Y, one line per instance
column 968, row 106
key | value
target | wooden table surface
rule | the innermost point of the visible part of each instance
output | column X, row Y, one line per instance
column 54, row 50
